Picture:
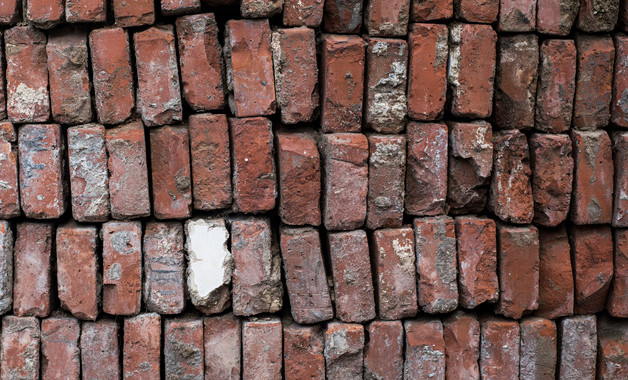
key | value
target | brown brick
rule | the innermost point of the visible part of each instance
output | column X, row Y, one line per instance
column 44, row 13
column 598, row 16
column 141, row 357
column 425, row 349
column 177, row 7
column 578, row 347
column 60, row 355
column 10, row 12
column 555, row 274
column 461, row 333
column 343, row 16
column 303, row 13
column 344, row 351
column 538, row 349
column 612, row 362
column 100, row 355
column 260, row 8
column 261, row 349
column 617, row 303
column 619, row 104
column 85, row 10
column 20, row 347
column 556, row 16
column 222, row 338
column 303, row 352
column 517, row 16
column 6, row 266
column 383, row 355
column 183, row 348
column 480, row 11
column 9, row 191
column 620, row 200
column 134, row 12
column 387, row 18
column 421, row 10
column 499, row 349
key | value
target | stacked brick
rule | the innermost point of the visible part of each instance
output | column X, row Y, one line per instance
column 302, row 189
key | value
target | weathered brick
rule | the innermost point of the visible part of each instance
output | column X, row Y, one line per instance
column 480, row 11
column 177, row 7
column 100, row 355
column 171, row 175
column 6, row 266
column 261, row 349
column 10, row 12
column 9, row 191
column 20, row 347
column 134, row 12
column 612, row 362
column 598, row 15
column 499, row 349
column 538, row 349
column 303, row 13
column 183, row 348
column 425, row 349
column 387, row 18
column 44, row 14
column 383, row 354
column 306, row 281
column 517, row 16
column 60, row 355
column 342, row 16
column 556, row 16
column 260, row 8
column 461, row 333
column 620, row 201
column 619, row 104
column 422, row 11
column 578, row 347
column 303, row 351
column 556, row 290
column 7, row 132
column 344, row 351
column 223, row 341
column 141, row 357
column 85, row 10
column 617, row 303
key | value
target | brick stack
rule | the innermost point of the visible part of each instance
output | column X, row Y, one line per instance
column 314, row 189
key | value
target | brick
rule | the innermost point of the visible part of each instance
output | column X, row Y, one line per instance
column 177, row 7
column 386, row 187
column 44, row 13
column 210, row 161
column 426, row 169
column 60, row 355
column 617, row 303
column 303, row 13
column 7, row 132
column 183, row 348
column 345, row 180
column 20, row 347
column 200, row 59
column 485, row 11
column 387, row 19
column 517, row 16
column 592, row 199
column 128, row 172
column 3, row 96
column 556, row 288
column 386, row 77
column 257, row 286
column 85, row 10
column 421, row 10
column 250, row 82
column 32, row 266
column 42, row 173
column 26, row 84
column 261, row 349
column 623, row 16
column 296, row 74
column 592, row 258
column 425, row 349
column 461, row 333
column 254, row 180
column 499, row 349
column 510, row 193
column 436, row 264
column 556, row 16
column 612, row 362
column 299, row 167
column 556, row 85
column 594, row 81
column 477, row 261
column 10, row 12
column 578, row 348
column 619, row 108
column 6, row 266
column 141, row 357
column 303, row 351
column 552, row 175
column 9, row 191
column 164, row 258
column 260, row 9
column 598, row 16
column 394, row 272
column 383, row 354
column 538, row 349
column 344, row 351
column 158, row 93
column 427, row 77
column 210, row 264
column 134, row 12
column 222, row 338
column 112, row 75
column 470, row 164
column 304, row 270
column 171, row 174
column 343, row 16
column 351, row 269
column 89, row 180
column 516, row 80
column 518, row 270
column 100, row 355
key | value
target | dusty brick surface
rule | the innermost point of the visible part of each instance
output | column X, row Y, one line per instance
column 620, row 158
column 461, row 333
column 617, row 304
column 578, row 347
column 303, row 351
column 612, row 345
column 517, row 15
column 556, row 285
column 499, row 348
column 6, row 266
column 223, row 341
column 60, row 355
column 425, row 349
column 20, row 347
column 177, row 7
column 183, row 348
column 10, row 191
column 10, row 12
column 480, row 11
column 100, row 352
column 85, row 10
column 141, row 351
column 556, row 17
column 598, row 16
column 343, row 16
column 261, row 349
column 133, row 12
column 303, row 13
column 538, row 349
column 619, row 108
column 44, row 14
column 383, row 354
column 421, row 11
column 344, row 351
column 386, row 18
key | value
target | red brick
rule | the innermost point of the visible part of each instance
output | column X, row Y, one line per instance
column 556, row 85
column 303, row 352
column 158, row 94
column 100, row 355
column 345, row 180
column 134, row 12
column 471, row 71
column 10, row 12
column 254, row 186
column 552, row 175
column 26, row 75
column 592, row 257
column 499, row 349
column 422, row 10
column 594, row 81
column 257, row 286
column 32, row 265
column 85, row 10
column 128, row 172
column 515, row 84
column 383, row 355
column 477, row 261
column 556, row 16
column 250, row 81
column 210, row 161
column 303, row 13
column 6, row 267
column 7, row 132
column 9, row 191
column 261, row 349
column 619, row 104
column 425, row 349
column 538, row 349
column 592, row 198
column 510, row 194
column 344, row 351
column 612, row 362
column 3, row 108
column 164, row 261
column 578, row 349
column 426, row 170
column 141, row 357
column 171, row 175
column 44, row 13
column 517, row 16
column 43, row 188
column 555, row 274
column 112, row 75
column 481, row 11
column 387, row 18
column 299, row 166
column 177, row 7
column 598, row 16
column 260, row 8
column 296, row 74
column 202, row 69
column 20, row 347
column 342, row 16
column 461, row 333
column 89, row 180
column 617, row 303
column 222, row 338
column 470, row 166
column 351, row 269
column 304, row 269
column 386, row 188
column 60, row 355
column 427, row 79
column 183, row 348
